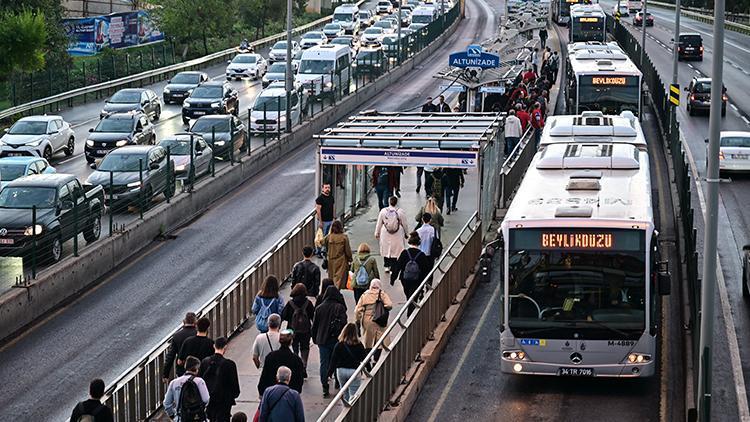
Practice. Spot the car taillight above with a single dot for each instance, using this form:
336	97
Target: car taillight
721	155
692	97
701	49
724	97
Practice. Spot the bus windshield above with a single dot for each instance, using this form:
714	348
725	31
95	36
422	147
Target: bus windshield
587	29
575	280
611	94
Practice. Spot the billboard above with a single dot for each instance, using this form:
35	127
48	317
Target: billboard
119	30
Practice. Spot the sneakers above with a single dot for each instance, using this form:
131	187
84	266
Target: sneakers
326	394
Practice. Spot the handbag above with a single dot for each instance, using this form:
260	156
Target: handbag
379	313
319	237
350	281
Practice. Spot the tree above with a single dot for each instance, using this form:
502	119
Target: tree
23	40
56	48
188	20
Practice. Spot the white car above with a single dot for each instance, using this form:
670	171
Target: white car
313	38
278	51
372	36
734	151
624	11
40	136
333	30
247	65
384	7
277	72
269	110
387	25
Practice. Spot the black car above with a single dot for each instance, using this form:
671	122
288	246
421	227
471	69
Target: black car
699	96
211	98
133	99
690	46
118	130
127	165
222	132
181	85
59	200
369	61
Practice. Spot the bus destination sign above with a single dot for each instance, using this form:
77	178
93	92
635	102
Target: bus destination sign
576	240
609	80
594	20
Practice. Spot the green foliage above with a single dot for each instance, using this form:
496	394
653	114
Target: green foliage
23	37
56	53
189	21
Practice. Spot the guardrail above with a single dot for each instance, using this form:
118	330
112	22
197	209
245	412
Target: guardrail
138	392
431	300
704	17
155	73
510	173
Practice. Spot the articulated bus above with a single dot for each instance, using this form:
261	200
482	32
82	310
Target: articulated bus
581	280
601	77
560	10
587	23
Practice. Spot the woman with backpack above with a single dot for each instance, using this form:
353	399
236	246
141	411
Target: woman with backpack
411	267
431	207
347	355
390	230
268	301
299	313
339	254
365	269
365	313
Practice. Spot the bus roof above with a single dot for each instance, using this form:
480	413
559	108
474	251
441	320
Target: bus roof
593	58
593	126
594	10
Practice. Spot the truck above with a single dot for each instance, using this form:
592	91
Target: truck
39	213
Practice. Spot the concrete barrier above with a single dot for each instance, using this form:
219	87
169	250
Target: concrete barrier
63	282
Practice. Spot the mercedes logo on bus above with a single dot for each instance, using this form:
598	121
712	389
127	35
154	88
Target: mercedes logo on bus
3	232
576	358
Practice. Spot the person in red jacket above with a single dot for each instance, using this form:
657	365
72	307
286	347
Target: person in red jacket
523	116
537	122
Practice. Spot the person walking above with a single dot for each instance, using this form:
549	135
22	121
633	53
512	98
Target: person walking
428	180
267	342
307	272
411	268
543	36
339	254
323	287
268	301
420	171
222	381
428	106
330	318
437	187
281	403
347	355
394	179
535	60
513	132
175	343
187	395
282	357
365	269
93	406
442	106
299	313
381	183
239	417
523	116
437	219
199	345
537	122
554	66
324	211
390	231
427	236
365	313
454	178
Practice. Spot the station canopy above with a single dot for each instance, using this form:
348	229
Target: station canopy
409	139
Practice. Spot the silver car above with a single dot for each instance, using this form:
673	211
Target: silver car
178	146
278	51
313	38
40	136
734	151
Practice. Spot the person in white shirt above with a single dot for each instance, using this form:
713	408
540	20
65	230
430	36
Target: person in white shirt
266	343
513	131
426	234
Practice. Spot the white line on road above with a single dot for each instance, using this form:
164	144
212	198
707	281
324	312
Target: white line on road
744	119
726	311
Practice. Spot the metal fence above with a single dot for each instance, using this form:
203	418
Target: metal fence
409	333
514	167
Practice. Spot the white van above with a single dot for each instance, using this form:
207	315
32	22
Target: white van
424	14
347	15
269	110
323	68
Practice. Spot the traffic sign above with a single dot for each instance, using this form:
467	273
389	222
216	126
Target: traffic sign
674	94
452	88
474	57
493	89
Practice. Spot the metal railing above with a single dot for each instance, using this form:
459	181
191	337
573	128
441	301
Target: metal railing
431	300
515	166
138	392
703	16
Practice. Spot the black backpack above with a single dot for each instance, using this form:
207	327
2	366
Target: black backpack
300	321
192	408
436	249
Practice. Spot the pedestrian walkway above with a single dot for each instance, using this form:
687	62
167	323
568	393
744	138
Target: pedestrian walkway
359	229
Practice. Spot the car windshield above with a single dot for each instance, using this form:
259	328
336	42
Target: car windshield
114	126
341	41
126	97
367	55
10	172
186	78
374	31
28	128
703	87
311	36
277	68
177	146
421	18
316	67
691	39
270	103
383	24
281	45
207	92
27	197
206	125
729	141
244	59
343	17
332	27
123	162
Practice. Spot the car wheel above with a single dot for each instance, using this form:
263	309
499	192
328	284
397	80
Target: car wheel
745	290
157	113
47	154
70	147
55	249
690	110
94	229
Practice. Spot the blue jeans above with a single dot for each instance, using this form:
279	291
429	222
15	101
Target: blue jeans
510	143
537	135
383	194
326	350
343	375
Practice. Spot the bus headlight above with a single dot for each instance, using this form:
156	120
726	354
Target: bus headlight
639	358
514	355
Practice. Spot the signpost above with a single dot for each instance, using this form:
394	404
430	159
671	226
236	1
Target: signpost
474	57
398	157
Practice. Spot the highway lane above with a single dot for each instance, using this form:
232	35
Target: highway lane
107	329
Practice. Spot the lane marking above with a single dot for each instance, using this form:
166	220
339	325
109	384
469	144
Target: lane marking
747	122
729	328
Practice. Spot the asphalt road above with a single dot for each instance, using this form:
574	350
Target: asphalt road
107	329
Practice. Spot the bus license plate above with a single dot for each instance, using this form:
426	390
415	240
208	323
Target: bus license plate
576	372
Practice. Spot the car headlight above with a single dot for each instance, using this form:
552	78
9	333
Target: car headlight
186	103
514	355
215	105
181	167
32	230
166	90
638	358
253	119
134	184
89	143
219	143
329	84
122	143
35	143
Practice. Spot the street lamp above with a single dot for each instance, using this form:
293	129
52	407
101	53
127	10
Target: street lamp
288	77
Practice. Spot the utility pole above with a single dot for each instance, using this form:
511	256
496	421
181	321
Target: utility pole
643	34
289	78
708	286
676	42
398	35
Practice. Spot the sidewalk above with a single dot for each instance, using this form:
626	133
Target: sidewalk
360	229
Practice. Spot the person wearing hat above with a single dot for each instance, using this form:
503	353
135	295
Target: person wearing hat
284	356
187	330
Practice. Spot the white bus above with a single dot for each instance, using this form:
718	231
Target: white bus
581	283
587	23
347	15
601	77
560	10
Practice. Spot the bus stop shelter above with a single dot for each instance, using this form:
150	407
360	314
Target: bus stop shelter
347	153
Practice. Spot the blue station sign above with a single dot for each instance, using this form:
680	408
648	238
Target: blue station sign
474	57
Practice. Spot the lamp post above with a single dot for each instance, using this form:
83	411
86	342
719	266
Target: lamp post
288	77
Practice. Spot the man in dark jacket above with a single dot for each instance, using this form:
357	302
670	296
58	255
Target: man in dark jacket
423	262
93	406
330	318
442	106
428	106
282	357
454	181
187	330
280	402
307	272
199	345
220	375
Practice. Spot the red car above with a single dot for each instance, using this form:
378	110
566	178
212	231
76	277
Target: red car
638	19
